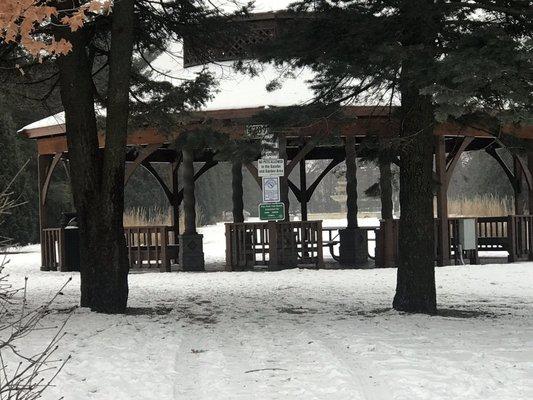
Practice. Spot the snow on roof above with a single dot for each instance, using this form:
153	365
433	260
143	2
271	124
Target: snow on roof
57	119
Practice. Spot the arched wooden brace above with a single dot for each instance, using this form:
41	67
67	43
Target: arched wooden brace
444	171
525	170
159	179
305	193
48	178
515	174
168	192
491	150
174	194
141	157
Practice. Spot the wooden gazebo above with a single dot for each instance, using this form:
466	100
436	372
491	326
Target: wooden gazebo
286	243
249	244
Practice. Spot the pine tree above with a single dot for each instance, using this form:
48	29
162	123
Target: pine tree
470	62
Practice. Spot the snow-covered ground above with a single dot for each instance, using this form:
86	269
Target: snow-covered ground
297	334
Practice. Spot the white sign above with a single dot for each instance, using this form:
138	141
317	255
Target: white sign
270	167
271	191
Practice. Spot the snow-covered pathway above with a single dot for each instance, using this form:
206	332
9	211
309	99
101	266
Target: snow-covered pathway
298	334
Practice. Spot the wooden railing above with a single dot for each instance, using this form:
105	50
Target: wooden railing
275	244
331	239
151	247
53	249
520	237
513	234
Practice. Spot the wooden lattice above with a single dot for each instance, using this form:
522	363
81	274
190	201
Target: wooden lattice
237	43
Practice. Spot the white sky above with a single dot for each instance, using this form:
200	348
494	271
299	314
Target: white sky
235	90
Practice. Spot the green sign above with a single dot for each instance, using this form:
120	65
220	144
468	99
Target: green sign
272	211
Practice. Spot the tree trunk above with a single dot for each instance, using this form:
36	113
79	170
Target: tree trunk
85	158
112	281
97	176
415	290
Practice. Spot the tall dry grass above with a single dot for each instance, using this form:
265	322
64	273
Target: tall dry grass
154	216
480	206
141	216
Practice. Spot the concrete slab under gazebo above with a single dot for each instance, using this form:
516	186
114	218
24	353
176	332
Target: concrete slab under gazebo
285	244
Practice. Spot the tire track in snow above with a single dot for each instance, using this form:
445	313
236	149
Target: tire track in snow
360	370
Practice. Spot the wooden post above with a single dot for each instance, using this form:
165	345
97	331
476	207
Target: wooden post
191	253
229	248
351	182
303	190
511	238
443	238
274	259
519	188
284	185
530	189
237	191
353	248
174	171
189	201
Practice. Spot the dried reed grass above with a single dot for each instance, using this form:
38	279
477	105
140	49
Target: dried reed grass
480	206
